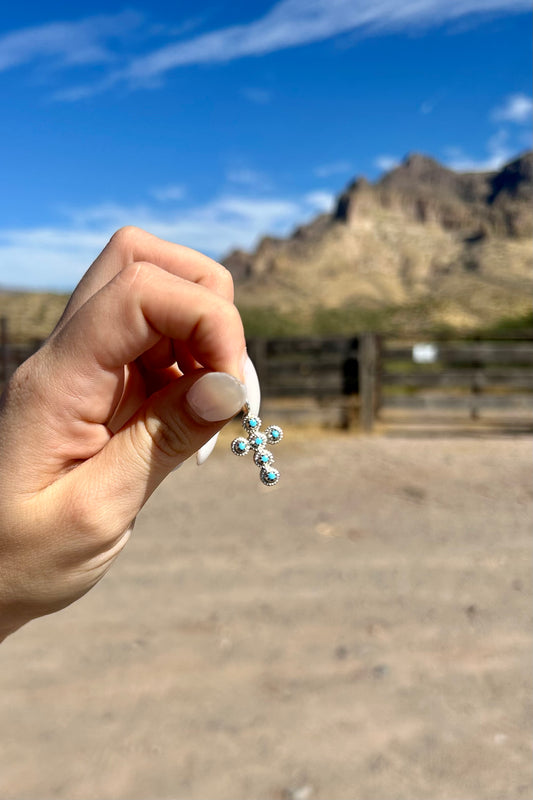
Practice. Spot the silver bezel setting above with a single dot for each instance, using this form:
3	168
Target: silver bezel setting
257	445
258	456
265	472
272	439
235	446
251	428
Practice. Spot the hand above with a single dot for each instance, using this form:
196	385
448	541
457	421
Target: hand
143	368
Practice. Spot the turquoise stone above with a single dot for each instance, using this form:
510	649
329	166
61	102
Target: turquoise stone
258	440
271	476
241	446
264	459
253	423
275	434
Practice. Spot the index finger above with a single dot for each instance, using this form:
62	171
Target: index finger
137	308
130	245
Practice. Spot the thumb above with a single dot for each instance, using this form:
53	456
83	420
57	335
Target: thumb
169	428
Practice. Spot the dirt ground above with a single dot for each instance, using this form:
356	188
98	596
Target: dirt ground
360	632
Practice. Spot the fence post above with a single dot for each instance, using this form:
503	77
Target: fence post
368	375
4	356
476	389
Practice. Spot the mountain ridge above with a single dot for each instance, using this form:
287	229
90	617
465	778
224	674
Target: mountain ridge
453	245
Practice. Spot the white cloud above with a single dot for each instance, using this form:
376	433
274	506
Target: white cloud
168	193
504	143
244	176
386	163
320	200
56	257
288	23
498	153
74	94
334	168
291	23
66	44
516	108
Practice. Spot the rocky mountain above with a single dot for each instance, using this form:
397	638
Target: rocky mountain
422	247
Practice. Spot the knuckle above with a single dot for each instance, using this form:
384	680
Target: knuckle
224	277
134	273
126	237
220	280
170	438
84	517
91	525
20	379
230	317
27	394
23	382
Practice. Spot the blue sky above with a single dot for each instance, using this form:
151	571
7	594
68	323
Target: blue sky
212	124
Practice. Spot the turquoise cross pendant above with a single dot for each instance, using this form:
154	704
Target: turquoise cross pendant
257	442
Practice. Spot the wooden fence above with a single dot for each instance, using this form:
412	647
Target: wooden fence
336	371
370	380
458	382
377	380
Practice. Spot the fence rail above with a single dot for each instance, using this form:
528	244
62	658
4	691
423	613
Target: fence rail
466	352
367	379
372	377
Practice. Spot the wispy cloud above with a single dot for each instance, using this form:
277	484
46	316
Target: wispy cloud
386	163
333	168
320	200
169	193
68	44
516	108
56	257
288	24
292	23
47	258
261	97
498	153
251	178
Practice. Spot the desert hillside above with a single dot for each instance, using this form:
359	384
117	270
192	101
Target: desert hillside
30	316
423	247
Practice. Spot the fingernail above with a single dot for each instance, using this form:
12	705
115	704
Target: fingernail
245	358
216	396
253	390
205	451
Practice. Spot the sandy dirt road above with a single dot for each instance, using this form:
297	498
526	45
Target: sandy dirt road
360	632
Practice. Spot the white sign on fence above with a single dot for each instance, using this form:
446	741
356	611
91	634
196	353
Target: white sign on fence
425	353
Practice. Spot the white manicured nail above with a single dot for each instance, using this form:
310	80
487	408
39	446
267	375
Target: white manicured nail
253	397
216	396
253	390
204	452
